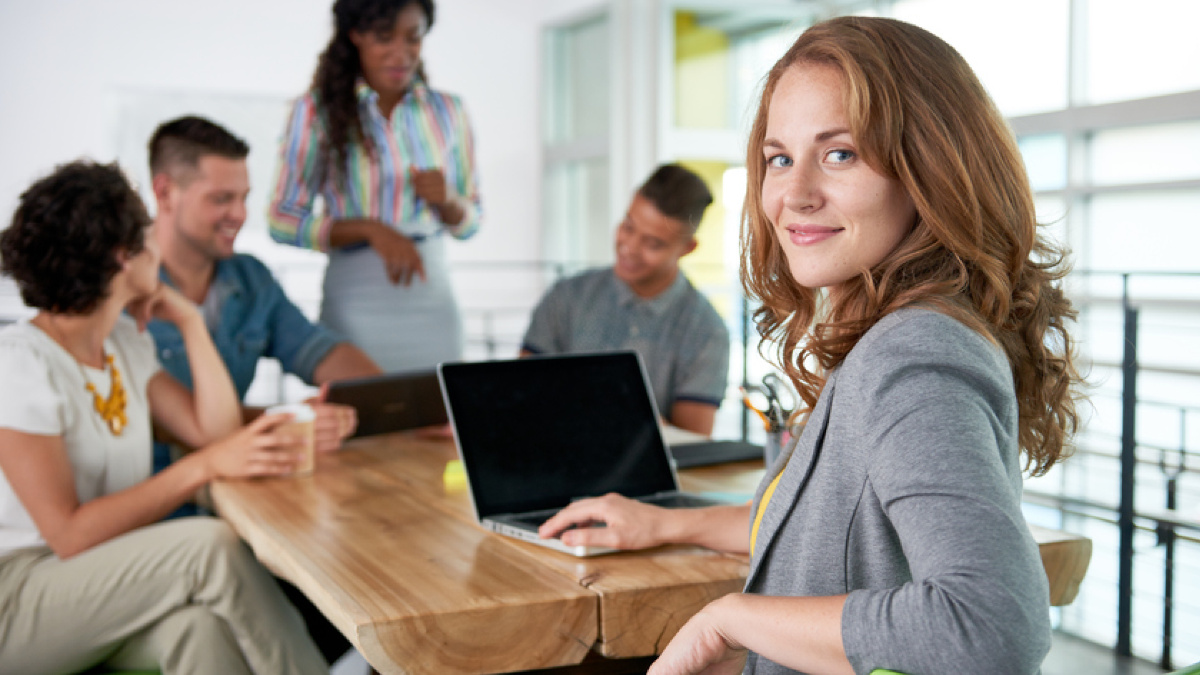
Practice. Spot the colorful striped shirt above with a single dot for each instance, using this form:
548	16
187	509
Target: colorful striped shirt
428	129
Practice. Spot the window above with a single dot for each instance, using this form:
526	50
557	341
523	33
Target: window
577	216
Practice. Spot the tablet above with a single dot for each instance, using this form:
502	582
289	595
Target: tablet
392	402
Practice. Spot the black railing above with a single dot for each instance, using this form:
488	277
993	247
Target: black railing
1128	473
1169	525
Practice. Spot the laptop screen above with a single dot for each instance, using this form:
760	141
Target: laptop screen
536	433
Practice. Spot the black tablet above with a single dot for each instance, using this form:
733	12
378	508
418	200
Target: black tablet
392	402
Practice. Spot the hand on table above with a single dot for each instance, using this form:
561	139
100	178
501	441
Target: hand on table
257	449
629	524
334	423
701	647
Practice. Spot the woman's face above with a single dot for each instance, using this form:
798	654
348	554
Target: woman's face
142	267
389	55
833	214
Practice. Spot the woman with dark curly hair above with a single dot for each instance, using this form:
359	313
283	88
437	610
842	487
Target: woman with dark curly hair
87	573
393	162
890	236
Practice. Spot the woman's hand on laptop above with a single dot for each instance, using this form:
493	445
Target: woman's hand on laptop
618	522
612	521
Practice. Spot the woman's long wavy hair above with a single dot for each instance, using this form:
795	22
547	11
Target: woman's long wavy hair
918	114
339	68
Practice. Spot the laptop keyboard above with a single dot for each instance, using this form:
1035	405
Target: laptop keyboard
535	519
675	501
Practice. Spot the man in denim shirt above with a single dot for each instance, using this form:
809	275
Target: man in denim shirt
200	183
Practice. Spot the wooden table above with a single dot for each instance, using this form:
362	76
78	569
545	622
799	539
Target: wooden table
394	558
391	553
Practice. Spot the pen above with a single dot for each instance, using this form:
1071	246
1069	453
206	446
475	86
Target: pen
761	415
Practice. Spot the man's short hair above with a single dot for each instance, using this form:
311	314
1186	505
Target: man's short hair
183	141
677	193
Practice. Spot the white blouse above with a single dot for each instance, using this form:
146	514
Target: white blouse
43	391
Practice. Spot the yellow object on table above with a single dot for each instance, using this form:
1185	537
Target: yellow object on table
454	477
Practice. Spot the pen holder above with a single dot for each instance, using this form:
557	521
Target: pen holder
777	438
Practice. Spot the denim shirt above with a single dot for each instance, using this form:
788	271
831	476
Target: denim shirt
249	317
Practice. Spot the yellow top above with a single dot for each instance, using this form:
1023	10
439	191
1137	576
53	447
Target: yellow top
762	507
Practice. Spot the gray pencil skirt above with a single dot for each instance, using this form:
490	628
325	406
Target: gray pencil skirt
400	327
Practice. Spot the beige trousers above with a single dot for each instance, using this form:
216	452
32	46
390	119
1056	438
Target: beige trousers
183	596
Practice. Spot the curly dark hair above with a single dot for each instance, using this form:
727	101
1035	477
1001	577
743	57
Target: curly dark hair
678	193
338	69
61	247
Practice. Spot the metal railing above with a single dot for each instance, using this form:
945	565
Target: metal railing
1167	523
1132	446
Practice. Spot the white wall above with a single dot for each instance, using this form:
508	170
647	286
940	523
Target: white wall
72	67
94	77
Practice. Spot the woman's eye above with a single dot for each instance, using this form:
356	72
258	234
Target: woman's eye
779	161
840	156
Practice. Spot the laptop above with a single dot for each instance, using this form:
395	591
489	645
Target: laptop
534	434
391	402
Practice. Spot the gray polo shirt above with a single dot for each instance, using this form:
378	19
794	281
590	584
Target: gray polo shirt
679	335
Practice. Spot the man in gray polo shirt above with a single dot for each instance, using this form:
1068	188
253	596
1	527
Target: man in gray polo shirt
643	302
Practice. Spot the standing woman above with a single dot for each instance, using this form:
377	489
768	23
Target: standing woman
87	573
393	162
890	236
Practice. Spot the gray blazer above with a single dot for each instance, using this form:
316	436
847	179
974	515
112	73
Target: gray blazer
904	491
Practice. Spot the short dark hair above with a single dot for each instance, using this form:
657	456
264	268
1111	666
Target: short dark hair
677	193
62	245
184	140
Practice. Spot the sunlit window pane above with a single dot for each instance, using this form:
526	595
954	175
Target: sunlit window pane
1143	49
753	56
1146	154
721	57
1144	231
1018	48
1052	216
702	69
578	226
578	73
1045	160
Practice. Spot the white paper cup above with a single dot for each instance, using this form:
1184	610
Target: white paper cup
302	425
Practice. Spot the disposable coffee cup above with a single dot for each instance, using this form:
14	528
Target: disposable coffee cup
302	426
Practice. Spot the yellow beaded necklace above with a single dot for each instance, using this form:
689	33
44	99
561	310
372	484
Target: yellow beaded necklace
112	409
